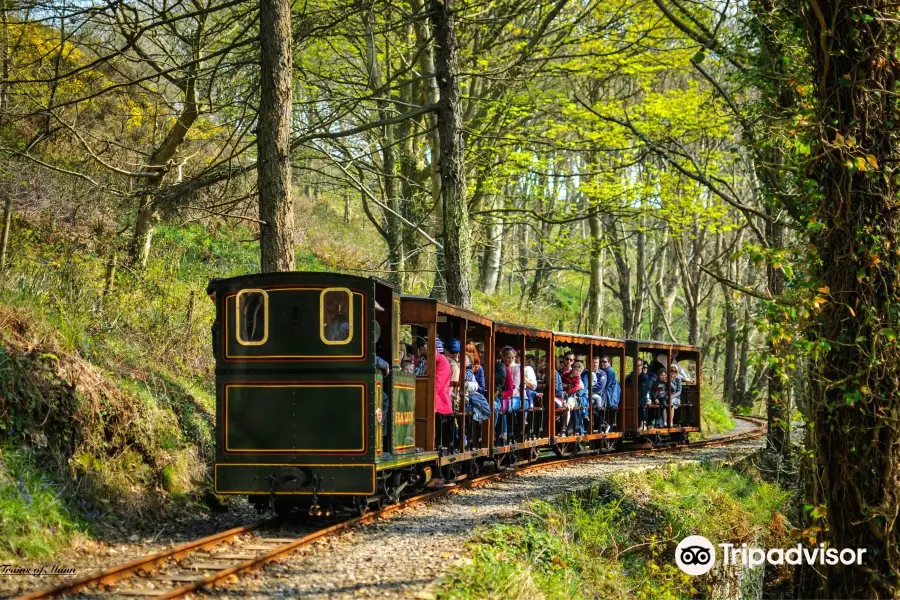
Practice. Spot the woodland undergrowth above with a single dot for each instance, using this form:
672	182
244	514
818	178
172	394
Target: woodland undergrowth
617	540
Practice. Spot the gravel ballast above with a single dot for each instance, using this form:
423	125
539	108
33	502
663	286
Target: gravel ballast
404	556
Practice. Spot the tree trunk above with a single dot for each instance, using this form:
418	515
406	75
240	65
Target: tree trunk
619	249
595	291
778	440
141	240
4	235
457	242
491	257
148	211
276	241
854	396
640	291
729	376
393	226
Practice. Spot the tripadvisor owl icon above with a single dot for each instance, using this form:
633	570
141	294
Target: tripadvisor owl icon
695	555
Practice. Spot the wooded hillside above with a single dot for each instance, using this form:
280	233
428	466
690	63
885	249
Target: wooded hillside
712	173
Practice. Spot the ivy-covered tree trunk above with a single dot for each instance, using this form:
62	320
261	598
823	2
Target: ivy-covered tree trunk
855	396
457	242
779	438
276	209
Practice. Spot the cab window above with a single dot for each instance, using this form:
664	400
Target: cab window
252	317
336	316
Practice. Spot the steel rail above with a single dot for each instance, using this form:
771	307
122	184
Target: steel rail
119	572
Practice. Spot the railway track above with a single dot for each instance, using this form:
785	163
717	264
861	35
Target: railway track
219	558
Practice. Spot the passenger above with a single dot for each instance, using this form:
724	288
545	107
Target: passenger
477	369
503	401
476	404
421	357
582	416
559	399
662	397
502	379
510	359
407	366
452	350
337	319
675	377
442	374
652	380
612	393
660	361
531	381
683	374
598	400
572	384
643	393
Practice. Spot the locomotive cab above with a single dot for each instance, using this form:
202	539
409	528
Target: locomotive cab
301	384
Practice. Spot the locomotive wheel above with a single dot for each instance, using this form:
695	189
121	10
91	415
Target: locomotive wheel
360	505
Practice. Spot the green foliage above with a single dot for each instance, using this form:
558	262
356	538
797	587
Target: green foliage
619	541
715	417
34	521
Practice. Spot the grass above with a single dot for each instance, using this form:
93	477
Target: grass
34	521
118	380
619	542
715	417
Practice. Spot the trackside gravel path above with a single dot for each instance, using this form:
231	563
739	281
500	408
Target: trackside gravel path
403	557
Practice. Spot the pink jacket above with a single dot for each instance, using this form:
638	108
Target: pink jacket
442	375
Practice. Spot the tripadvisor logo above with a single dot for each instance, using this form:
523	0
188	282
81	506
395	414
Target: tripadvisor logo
696	555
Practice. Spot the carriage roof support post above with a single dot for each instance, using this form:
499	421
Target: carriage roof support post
622	397
551	386
489	366
696	410
431	416
462	384
523	343
590	389
630	403
669	364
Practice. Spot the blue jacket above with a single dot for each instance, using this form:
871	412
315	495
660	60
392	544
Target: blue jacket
600	378
479	378
559	386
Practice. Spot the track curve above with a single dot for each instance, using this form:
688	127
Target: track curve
222	567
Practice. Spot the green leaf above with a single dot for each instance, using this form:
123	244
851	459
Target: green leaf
889	333
699	57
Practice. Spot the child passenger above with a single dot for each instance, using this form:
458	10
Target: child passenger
476	405
662	396
574	390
